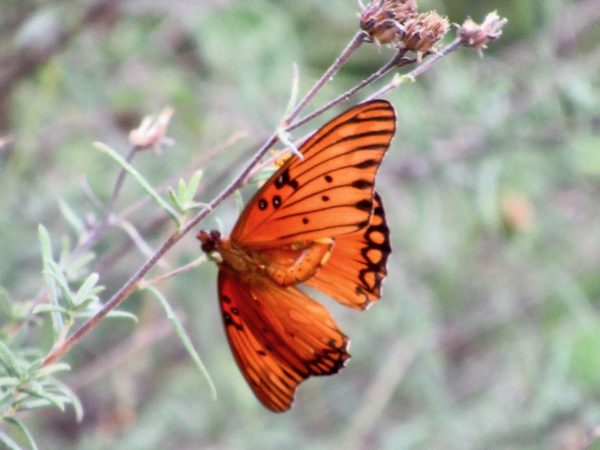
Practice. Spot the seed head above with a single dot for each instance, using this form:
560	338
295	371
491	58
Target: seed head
423	32
477	35
384	19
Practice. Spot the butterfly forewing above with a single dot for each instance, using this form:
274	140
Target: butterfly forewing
279	337
329	192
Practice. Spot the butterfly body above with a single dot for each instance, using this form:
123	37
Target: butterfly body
317	222
286	266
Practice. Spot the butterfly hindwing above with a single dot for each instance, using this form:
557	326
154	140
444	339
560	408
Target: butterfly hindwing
355	270
329	192
279	337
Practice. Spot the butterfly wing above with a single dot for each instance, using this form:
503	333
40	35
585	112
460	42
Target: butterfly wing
357	265
329	192
279	337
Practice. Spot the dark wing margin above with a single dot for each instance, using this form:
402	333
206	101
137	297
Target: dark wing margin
356	268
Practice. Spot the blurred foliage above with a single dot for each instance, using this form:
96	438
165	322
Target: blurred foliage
488	333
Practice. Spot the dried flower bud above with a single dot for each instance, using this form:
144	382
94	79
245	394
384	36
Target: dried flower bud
384	19
152	132
423	32
477	36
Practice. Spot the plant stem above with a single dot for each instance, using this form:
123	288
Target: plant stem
419	70
396	61
352	46
132	284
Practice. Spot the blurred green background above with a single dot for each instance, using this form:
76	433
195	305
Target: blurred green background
488	333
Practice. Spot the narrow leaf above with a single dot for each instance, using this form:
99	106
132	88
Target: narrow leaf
72	399
10	444
46	308
52	369
139	178
192	186
112	314
86	290
46	250
184	338
9	381
175	199
10	361
55	400
71	217
17	423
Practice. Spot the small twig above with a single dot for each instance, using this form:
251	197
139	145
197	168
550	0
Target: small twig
198	164
352	46
138	240
419	70
104	222
397	61
92	237
192	265
119	184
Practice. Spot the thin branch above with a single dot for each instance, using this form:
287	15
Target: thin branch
352	46
133	283
192	265
419	70
397	61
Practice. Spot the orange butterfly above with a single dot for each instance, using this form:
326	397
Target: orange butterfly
316	221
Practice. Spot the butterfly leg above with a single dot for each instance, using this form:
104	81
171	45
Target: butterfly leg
314	256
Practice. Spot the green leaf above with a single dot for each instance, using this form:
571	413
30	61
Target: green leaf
52	399
183	197
55	271
10	361
71	217
51	369
74	268
112	314
9	381
193	185
184	338
45	245
88	289
17	423
47	308
140	180
181	189
175	199
46	250
71	398
10	444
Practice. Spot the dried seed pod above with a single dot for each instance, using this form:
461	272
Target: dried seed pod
384	19
477	35
423	32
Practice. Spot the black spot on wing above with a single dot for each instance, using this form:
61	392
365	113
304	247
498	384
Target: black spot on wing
364	205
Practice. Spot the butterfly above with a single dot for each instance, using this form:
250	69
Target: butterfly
316	221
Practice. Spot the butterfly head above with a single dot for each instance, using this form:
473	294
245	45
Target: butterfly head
210	243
